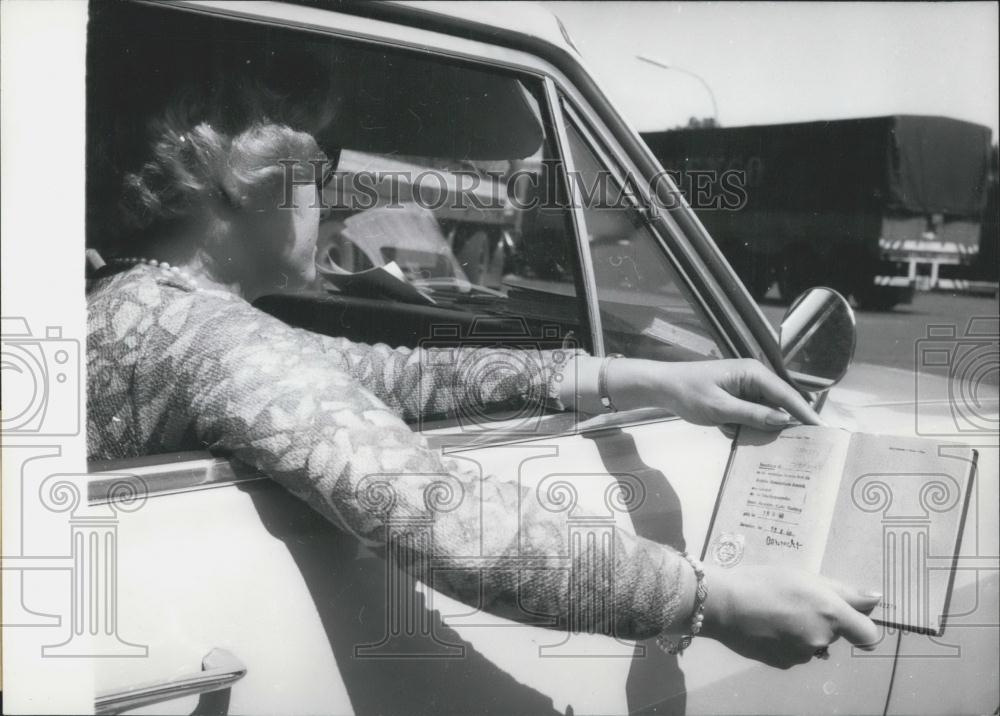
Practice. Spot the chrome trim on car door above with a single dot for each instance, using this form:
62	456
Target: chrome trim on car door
579	220
141	477
558	425
614	164
219	670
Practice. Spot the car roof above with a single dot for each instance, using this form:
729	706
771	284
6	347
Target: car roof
527	18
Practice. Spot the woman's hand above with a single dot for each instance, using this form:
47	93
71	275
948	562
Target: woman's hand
741	392
782	617
716	392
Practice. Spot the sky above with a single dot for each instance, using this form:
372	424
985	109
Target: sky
786	62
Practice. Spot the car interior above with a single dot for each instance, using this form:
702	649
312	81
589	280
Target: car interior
445	212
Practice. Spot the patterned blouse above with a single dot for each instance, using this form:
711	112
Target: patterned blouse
173	369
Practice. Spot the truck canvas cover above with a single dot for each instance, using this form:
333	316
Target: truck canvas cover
904	164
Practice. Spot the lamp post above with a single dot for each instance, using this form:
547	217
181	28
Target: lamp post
666	66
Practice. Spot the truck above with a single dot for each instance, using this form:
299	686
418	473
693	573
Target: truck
872	207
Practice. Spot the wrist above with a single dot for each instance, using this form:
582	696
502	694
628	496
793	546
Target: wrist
578	390
603	393
687	591
718	605
634	383
692	623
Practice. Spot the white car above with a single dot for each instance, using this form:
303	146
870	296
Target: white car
233	596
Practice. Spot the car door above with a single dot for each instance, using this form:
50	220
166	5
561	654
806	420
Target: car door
716	680
217	558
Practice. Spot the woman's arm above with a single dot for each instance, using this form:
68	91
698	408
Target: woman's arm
420	382
711	392
248	385
245	383
432	381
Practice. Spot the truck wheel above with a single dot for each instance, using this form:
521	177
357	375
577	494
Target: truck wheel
871	297
876	298
758	277
758	286
753	269
800	270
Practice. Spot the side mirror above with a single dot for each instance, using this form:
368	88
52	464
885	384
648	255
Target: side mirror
818	336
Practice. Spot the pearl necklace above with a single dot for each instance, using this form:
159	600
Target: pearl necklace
176	272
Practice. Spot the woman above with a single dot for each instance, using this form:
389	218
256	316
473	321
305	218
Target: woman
178	359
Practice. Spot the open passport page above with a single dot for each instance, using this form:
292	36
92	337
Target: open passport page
873	511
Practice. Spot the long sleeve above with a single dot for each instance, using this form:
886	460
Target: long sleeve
218	374
431	381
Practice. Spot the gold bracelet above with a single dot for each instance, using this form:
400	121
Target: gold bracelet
697	616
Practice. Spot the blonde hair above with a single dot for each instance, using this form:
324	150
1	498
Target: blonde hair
194	163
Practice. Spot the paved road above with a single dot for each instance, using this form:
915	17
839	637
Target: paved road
893	338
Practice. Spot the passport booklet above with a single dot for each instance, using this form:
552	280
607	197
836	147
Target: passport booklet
877	512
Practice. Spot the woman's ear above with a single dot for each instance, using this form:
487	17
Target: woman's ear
223	243
231	195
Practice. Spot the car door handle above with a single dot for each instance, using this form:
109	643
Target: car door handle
219	670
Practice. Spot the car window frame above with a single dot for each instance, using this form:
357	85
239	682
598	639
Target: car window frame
571	117
731	302
363	25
